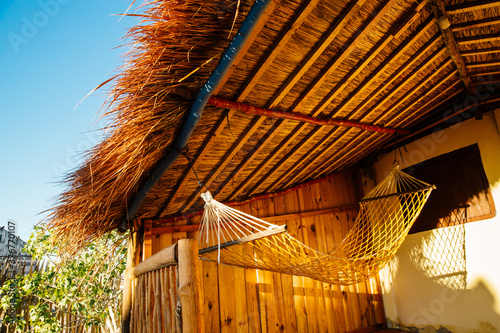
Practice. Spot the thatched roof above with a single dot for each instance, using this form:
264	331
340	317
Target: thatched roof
384	63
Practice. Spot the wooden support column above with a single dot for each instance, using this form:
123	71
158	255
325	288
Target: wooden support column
128	282
190	292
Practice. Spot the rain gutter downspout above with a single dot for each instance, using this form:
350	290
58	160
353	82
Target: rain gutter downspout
196	110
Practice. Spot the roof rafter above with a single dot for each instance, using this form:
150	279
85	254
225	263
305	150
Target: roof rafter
475	24
478	39
462	8
483	64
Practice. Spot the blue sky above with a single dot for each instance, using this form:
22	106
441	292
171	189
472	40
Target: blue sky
52	54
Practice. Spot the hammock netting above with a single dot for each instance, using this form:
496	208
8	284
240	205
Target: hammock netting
385	217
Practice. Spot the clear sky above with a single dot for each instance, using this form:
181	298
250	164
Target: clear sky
52	54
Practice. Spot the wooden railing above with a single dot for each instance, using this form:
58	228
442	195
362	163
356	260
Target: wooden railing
164	292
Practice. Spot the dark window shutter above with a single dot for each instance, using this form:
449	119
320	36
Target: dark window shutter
463	193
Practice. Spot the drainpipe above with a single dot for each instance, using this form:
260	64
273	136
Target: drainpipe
196	110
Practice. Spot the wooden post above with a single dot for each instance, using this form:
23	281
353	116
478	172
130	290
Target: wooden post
189	287
127	283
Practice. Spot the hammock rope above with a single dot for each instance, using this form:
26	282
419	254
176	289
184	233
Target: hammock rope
385	217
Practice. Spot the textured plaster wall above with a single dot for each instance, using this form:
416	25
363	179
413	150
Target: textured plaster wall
467	299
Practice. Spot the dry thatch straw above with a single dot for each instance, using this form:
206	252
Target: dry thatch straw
171	44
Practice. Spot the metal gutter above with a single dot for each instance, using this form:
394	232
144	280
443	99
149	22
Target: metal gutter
194	114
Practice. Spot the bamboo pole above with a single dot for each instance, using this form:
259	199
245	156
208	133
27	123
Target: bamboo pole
127	284
190	287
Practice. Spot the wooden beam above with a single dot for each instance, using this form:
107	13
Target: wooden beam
480	52
481	64
299	117
449	39
478	39
475	24
468	7
177	228
164	258
487	73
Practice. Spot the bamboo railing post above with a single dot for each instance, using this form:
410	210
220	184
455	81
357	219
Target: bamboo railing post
189	287
127	284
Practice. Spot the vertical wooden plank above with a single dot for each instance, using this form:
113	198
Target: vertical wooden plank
148	242
147	282
321	230
227	299
333	230
377	295
165	300
291	206
268	307
241	304
310	290
252	300
252	291
156	245
290	319
172	276
211	296
363	303
158	317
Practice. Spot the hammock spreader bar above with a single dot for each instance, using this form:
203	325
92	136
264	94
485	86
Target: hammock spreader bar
250	238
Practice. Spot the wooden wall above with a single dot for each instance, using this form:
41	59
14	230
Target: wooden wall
248	300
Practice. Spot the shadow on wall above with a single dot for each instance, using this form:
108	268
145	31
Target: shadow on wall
430	290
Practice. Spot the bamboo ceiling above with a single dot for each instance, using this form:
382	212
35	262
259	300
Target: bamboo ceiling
385	63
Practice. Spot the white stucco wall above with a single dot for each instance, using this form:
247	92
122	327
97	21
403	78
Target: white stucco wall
458	303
